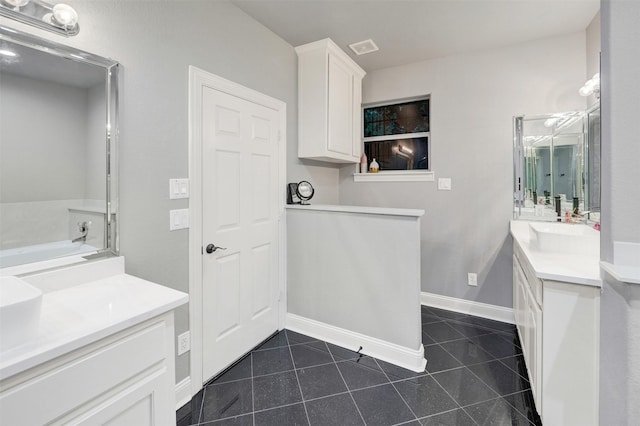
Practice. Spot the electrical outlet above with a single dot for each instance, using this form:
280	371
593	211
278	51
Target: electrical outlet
472	279
184	342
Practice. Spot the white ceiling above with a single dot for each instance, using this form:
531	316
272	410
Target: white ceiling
412	30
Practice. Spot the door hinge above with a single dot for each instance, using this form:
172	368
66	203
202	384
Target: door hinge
201	250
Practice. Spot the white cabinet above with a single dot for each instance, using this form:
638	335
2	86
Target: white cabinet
558	324
329	103
529	321
123	379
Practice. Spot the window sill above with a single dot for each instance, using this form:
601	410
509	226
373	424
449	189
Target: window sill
395	176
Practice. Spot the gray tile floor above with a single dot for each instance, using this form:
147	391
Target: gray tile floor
475	376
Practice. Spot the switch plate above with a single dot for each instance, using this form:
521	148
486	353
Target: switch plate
178	188
444	184
472	279
184	342
178	219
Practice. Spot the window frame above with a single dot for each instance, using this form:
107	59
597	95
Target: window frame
412	175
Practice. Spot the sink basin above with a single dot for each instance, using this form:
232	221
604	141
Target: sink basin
565	238
20	307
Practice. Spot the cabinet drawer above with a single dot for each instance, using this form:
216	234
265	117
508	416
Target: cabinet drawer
84	378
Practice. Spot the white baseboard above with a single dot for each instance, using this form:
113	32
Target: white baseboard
183	392
411	359
498	313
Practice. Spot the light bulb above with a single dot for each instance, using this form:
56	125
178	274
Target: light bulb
64	15
5	52
585	90
16	3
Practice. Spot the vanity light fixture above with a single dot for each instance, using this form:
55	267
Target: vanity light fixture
59	18
15	3
591	87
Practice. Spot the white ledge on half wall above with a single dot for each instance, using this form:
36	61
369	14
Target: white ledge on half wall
622	273
385	211
626	262
395	176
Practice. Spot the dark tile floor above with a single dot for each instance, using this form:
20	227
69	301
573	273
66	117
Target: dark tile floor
475	376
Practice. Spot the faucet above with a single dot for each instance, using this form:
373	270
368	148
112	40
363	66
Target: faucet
83	227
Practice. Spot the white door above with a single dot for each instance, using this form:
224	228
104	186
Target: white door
240	215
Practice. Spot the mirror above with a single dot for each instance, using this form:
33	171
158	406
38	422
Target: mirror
557	165
57	150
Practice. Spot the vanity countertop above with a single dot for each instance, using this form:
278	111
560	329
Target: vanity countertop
83	313
357	209
573	268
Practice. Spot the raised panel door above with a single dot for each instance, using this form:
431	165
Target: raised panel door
239	211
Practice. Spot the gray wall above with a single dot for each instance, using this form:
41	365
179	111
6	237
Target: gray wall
155	42
473	99
620	302
46	161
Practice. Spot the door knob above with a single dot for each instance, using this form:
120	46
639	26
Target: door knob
212	247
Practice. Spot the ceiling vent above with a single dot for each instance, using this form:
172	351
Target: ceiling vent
363	47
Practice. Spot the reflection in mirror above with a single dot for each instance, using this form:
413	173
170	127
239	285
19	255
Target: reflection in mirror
593	158
557	166
57	121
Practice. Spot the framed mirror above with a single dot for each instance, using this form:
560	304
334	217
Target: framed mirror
556	165
58	129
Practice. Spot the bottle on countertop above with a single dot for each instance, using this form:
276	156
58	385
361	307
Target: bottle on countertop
363	163
374	167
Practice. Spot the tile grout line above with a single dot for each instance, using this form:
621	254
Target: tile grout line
481	402
495	399
482	381
253	404
398	392
452	398
446	391
516	408
347	386
513	356
204	391
493	358
503	335
333	394
298	379
511	369
486	362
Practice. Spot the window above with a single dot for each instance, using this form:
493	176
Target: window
397	135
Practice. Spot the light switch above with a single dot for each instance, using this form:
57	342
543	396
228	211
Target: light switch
444	184
178	188
178	219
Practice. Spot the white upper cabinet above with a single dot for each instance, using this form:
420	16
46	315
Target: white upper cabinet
329	103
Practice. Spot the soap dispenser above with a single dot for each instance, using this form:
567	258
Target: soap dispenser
374	166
